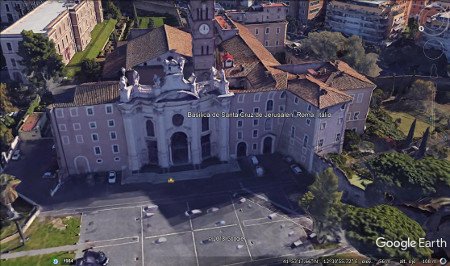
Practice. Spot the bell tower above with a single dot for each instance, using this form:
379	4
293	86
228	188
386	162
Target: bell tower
201	21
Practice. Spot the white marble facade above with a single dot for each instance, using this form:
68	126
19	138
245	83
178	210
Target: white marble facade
158	127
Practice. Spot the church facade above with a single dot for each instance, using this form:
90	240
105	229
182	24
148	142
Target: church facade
237	102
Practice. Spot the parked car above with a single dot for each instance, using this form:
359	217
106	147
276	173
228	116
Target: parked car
296	169
49	175
16	155
93	258
254	160
288	159
112	177
192	212
259	171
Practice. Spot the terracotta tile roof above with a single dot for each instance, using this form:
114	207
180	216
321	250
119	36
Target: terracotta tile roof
253	61
156	42
30	122
344	77
316	92
92	94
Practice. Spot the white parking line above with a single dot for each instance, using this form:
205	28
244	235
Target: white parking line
168	234
242	231
114	245
269	222
193	236
212	228
113	239
142	239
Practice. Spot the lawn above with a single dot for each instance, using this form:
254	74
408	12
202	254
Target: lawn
46	232
157	22
22	207
100	36
406	121
63	258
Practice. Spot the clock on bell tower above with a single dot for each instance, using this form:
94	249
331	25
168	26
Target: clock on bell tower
201	21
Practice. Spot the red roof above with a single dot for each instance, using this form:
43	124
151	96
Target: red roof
222	22
30	122
273	5
227	56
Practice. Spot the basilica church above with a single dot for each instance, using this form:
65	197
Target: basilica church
214	93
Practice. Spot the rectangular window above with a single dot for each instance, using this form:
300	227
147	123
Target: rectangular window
257	97
115	148
239	123
277	43
256	110
62	127
240	111
109	109
320	143
97	150
353	98
255	146
255	133
359	98
338	137
309	108
76	126
94	136
305	140
340	120
255	122
256	31
116	159
356	116
281	107
65	140
59	113
239	135
296	100
241	98
308	121
278	30
292	132
8	45
73	112
266	43
111	123
323	126
92	125
79	138
267	30
113	135
90	110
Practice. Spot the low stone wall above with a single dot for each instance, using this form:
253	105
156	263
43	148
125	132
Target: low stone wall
351	194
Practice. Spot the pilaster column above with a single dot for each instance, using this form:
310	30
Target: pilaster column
195	140
133	159
163	148
224	132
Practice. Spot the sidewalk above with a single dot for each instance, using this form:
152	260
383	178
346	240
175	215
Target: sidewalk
35	252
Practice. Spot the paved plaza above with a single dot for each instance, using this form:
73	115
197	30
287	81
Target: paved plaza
232	229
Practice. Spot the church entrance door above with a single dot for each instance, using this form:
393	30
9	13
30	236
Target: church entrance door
180	148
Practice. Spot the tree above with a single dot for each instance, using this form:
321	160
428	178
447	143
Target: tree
5	102
112	11
407	179
327	46
421	90
410	136
8	195
413	28
90	69
151	23
365	225
39	57
423	144
322	202
351	140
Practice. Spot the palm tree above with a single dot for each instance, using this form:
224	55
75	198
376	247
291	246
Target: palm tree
8	195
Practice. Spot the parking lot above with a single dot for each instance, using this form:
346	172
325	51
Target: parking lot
232	229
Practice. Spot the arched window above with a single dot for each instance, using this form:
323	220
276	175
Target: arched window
283	95
269	105
150	128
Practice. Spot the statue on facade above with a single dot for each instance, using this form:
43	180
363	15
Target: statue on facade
213	73
125	91
156	80
224	84
136	78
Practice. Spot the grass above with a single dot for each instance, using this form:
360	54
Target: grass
22	207
64	258
157	22
44	234
357	181
406	121
100	36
